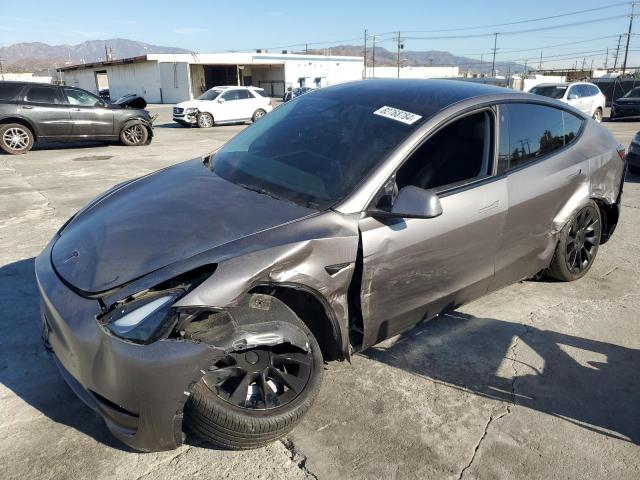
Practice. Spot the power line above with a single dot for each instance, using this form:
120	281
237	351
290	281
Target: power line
519	22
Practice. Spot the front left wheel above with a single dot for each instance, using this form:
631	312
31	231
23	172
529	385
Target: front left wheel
134	135
253	397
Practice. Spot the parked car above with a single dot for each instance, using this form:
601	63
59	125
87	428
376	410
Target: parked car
633	155
104	94
30	112
627	106
295	92
584	96
221	105
213	290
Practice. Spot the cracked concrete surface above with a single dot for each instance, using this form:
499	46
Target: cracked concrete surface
538	380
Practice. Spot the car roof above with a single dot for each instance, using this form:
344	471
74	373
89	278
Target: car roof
22	82
423	97
563	84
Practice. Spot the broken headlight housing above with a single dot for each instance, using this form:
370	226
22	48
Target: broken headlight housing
144	319
149	315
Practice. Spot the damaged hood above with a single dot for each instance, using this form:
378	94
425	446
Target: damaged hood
160	219
130	101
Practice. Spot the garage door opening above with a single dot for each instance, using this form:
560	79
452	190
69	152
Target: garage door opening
102	84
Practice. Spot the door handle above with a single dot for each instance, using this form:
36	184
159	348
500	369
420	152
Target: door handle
77	109
28	107
489	206
575	174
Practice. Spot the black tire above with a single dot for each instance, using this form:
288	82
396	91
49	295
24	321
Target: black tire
597	115
15	139
577	245
205	120
134	134
229	426
258	114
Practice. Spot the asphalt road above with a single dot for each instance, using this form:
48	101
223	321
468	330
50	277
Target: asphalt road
538	380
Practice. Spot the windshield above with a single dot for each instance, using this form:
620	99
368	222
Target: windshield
552	91
210	94
313	150
635	93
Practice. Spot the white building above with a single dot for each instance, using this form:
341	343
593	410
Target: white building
172	78
413	72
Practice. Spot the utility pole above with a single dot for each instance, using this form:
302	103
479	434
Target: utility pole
400	47
626	49
525	66
365	54
615	60
606	60
584	60
373	60
540	64
493	63
306	49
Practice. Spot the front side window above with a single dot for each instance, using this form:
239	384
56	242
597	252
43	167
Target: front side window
231	95
529	131
459	152
42	95
575	92
634	93
81	98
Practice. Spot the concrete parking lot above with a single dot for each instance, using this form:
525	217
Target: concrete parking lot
538	380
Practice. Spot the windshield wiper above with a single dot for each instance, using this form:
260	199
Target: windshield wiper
262	191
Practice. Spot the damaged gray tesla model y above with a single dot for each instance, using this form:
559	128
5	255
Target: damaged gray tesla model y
205	297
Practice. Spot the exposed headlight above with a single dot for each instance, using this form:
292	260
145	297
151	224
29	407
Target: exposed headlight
190	110
142	320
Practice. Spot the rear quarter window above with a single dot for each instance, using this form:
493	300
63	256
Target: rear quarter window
9	91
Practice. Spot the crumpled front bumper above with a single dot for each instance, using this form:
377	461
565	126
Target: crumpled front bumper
139	390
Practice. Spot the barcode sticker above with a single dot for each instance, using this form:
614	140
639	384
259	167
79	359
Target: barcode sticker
397	114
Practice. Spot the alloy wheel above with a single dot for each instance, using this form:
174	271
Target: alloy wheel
134	134
582	241
16	138
597	116
261	379
205	121
259	114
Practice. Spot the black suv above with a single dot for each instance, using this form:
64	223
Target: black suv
35	111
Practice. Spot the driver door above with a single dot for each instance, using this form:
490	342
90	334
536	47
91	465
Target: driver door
228	105
416	268
90	117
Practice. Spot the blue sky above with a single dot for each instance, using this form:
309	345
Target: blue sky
221	26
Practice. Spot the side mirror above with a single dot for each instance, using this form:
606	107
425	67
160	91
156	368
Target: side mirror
221	100
572	96
413	202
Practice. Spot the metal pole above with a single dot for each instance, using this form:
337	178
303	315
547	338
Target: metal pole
626	50
373	60
493	63
525	66
540	64
398	59
606	59
365	54
615	61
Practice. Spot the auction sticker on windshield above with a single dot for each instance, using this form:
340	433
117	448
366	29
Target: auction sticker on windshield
397	114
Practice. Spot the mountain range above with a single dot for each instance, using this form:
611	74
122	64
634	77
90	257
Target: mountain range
29	57
34	56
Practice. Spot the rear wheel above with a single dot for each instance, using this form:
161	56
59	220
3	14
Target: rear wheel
134	135
597	115
253	397
578	245
205	120
258	114
15	138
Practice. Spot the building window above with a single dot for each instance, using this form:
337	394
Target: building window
301	81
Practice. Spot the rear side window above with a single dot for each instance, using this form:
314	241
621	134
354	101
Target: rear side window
529	131
42	95
8	91
244	94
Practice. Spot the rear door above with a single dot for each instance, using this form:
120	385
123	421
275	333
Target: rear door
45	107
89	114
416	268
538	158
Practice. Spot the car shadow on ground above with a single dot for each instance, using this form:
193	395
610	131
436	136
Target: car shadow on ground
590	383
633	176
27	369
